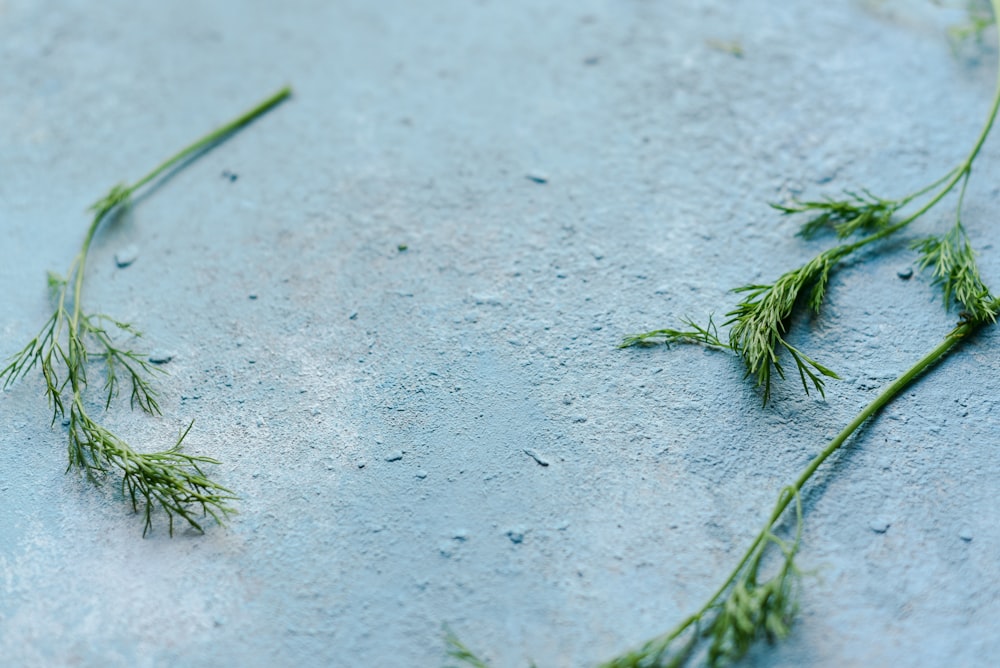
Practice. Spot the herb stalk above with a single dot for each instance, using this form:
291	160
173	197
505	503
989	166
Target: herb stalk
71	338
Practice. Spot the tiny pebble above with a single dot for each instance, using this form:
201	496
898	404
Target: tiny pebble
421	474
487	299
879	525
537	177
394	456
160	357
516	536
664	290
353	316
252	296
905	274
966	534
126	256
460	535
540	459
362	463
580	418
230	175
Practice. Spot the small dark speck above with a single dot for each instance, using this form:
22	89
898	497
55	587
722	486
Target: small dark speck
160	357
539	459
232	176
516	535
353	316
252	297
879	525
905	274
537	178
592	60
402	248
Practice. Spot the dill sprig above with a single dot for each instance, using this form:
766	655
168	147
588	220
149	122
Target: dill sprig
71	339
953	266
458	651
760	321
707	336
978	19
748	607
855	213
745	609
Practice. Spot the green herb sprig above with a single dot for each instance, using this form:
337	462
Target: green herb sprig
760	321
741	611
747	606
72	339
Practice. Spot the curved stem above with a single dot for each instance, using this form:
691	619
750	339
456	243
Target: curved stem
215	136
887	395
963	170
192	150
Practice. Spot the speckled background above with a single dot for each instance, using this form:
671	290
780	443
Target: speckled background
495	331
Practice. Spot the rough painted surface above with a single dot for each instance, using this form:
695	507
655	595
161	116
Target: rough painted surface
494	332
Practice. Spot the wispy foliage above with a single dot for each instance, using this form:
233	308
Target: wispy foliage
855	213
952	262
760	322
978	18
706	336
458	651
747	608
69	344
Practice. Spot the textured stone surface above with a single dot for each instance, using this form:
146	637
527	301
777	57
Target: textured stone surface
560	174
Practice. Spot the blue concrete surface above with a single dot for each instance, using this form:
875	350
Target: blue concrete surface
494	332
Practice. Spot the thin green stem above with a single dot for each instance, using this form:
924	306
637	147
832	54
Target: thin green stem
202	144
122	194
961	197
950	340
170	479
964	168
903	201
215	136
